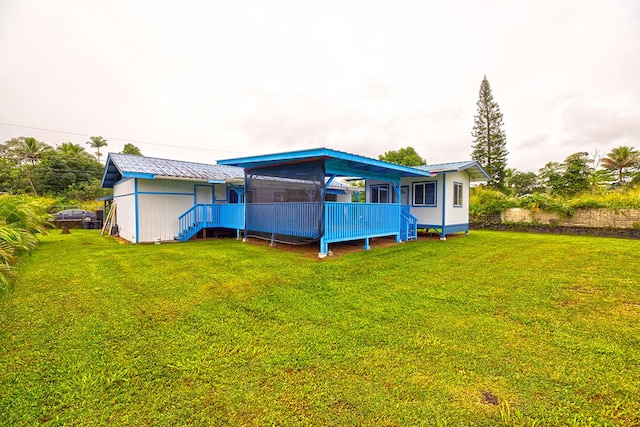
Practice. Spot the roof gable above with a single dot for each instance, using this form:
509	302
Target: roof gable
471	167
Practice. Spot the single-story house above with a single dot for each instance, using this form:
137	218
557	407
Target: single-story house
291	197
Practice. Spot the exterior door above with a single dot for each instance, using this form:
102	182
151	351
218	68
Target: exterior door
404	195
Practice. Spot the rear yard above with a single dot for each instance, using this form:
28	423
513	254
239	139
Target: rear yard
490	329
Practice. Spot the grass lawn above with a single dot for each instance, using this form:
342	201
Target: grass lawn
491	329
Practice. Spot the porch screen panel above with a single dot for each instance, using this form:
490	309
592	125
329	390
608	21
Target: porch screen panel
287	202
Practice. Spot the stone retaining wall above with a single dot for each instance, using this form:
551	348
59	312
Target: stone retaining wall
590	218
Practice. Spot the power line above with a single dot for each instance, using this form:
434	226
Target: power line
120	139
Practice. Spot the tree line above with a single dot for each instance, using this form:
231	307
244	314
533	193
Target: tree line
579	173
67	171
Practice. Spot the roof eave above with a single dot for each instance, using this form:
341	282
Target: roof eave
365	164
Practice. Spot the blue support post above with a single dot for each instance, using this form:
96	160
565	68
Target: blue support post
324	248
366	246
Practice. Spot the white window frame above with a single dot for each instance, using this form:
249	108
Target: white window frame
423	201
458	189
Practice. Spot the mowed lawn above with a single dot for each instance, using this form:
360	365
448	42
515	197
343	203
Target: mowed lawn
490	329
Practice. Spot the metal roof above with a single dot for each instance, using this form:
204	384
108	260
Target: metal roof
471	167
336	163
120	166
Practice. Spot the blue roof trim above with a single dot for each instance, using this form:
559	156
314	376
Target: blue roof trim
356	165
138	175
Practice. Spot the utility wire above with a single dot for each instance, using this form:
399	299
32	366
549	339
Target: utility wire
120	139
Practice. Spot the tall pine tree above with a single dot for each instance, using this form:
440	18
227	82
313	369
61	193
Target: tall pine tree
490	141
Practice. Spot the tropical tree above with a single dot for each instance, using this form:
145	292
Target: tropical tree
522	183
570	177
490	141
27	152
71	148
405	156
131	149
551	177
61	168
97	142
622	160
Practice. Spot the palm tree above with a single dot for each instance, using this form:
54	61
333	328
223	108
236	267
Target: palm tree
70	148
27	151
97	142
621	159
21	218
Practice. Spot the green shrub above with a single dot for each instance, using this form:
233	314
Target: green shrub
489	201
22	218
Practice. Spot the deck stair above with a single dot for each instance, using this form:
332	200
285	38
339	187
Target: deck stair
190	223
408	225
202	216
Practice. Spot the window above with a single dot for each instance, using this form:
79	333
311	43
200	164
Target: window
457	194
330	197
424	193
379	193
232	196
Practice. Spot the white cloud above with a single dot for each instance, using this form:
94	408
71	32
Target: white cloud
230	78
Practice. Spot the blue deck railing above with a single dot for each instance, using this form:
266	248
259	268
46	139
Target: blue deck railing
342	221
291	219
351	221
209	216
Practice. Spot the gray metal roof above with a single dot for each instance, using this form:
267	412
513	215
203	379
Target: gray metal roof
471	167
131	166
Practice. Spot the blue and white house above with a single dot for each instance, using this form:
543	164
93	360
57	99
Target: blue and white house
291	197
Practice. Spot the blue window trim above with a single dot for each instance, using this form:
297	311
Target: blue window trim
435	194
444	204
195	192
456	183
135	204
164	193
124	195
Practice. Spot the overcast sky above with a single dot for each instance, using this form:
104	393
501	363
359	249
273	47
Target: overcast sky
208	80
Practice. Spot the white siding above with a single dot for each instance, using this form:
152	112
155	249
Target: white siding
204	194
165	186
344	198
221	193
160	203
457	215
427	215
124	200
433	215
158	215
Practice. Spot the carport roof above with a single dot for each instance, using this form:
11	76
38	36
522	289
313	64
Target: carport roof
130	166
336	163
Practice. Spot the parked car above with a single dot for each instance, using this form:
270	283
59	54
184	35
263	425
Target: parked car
76	215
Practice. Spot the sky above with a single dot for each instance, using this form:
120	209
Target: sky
209	80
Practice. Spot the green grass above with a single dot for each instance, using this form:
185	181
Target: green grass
491	329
